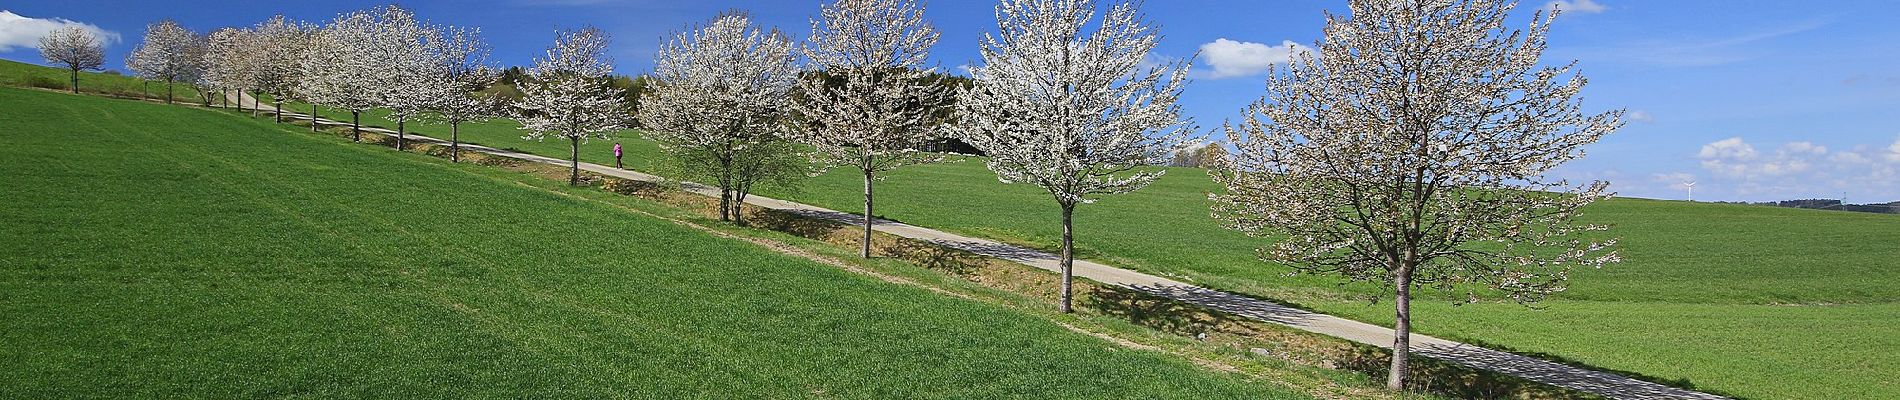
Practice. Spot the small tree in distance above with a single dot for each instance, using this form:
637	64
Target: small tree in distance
230	62
168	54
1411	152
1072	111
460	71
75	49
339	71
872	105
400	49
280	45
568	96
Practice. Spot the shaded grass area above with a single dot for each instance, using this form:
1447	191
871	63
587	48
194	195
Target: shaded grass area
152	251
1748	301
20	74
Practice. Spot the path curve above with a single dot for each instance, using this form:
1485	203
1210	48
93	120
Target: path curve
1602	383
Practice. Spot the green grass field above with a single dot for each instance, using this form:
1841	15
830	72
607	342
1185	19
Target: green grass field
155	251
13	73
1750	301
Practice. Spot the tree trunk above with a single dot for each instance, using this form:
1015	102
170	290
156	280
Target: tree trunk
75	80
1068	257
280	110
1401	330
401	134
455	141
725	204
574	162
313	117
255	105
738	208
865	248
168	91
356	126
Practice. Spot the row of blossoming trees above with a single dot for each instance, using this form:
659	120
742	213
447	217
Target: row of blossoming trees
1409	148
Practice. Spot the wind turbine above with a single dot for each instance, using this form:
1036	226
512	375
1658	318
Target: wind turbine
1691	186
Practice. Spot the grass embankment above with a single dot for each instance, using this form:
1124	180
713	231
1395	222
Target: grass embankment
1750	301
13	73
153	251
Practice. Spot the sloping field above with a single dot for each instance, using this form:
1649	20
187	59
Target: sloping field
1750	301
155	251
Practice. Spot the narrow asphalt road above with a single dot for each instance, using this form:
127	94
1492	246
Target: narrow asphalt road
1602	383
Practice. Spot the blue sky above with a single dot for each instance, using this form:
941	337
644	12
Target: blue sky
1754	100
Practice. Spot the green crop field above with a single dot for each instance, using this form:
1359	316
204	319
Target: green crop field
13	73
172	252
1751	301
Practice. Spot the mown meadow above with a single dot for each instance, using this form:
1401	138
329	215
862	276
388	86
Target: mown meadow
157	251
1749	301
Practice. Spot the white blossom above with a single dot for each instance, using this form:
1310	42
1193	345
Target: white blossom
461	70
718	101
73	48
400	48
230	61
280	45
341	70
1411	149
570	97
170	53
1071	106
871	103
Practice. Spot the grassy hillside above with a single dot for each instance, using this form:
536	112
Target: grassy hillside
154	251
1752	301
20	74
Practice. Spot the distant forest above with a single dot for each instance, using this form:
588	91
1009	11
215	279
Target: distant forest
1832	204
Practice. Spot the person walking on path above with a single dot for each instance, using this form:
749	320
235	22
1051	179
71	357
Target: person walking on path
617	156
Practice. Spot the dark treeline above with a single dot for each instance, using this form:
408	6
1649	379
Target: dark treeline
1830	204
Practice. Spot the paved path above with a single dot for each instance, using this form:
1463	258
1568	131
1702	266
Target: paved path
1602	383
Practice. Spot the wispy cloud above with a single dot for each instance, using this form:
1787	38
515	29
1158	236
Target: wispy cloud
21	31
1573	7
1694	52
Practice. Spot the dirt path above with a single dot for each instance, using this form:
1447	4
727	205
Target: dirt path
1587	380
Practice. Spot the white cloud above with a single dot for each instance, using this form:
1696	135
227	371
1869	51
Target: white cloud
1730	149
1803	148
1675	180
1230	58
1574	7
1893	152
24	32
1640	116
1800	169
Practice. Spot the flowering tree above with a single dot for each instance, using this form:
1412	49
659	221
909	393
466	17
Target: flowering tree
872	105
279	45
169	53
1411	151
230	61
569	97
339	71
399	47
717	102
74	48
460	71
1074	112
